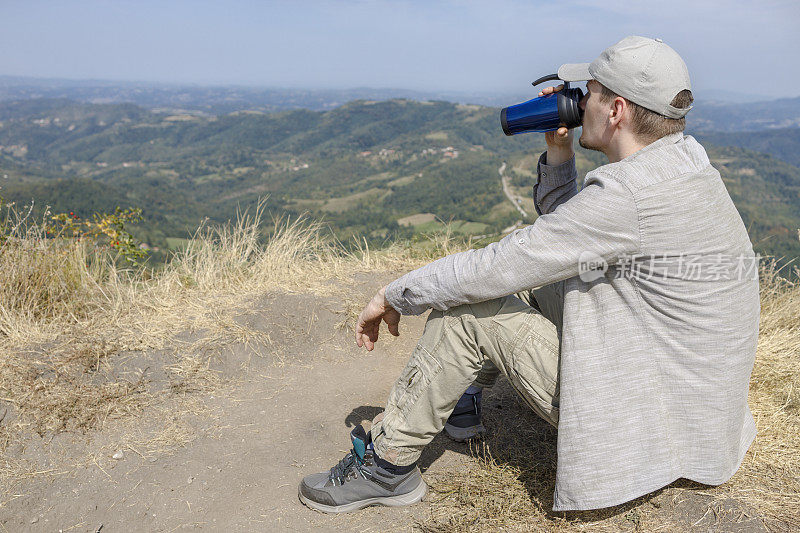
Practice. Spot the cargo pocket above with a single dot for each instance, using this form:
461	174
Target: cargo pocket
537	356
416	376
536	398
536	372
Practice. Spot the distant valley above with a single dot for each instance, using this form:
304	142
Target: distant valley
371	170
713	111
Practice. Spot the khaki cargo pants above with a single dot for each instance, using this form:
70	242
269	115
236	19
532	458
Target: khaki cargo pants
472	344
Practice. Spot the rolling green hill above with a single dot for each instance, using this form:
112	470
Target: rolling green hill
782	143
375	170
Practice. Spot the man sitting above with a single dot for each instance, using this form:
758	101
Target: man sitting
626	315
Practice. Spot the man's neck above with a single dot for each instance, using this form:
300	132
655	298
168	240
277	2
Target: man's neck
622	146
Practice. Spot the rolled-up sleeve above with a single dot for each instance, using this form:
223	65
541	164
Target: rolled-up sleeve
555	185
601	220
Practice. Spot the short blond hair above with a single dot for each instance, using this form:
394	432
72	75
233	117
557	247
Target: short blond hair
648	125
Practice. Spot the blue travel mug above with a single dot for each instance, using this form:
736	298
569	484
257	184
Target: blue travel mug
545	113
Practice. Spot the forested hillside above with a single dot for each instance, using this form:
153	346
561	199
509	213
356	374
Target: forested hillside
782	143
710	113
374	170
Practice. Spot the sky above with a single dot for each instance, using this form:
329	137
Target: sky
454	45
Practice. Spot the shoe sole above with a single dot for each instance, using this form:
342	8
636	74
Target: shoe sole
464	434
401	500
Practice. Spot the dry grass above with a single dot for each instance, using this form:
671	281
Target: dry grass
69	316
510	484
770	476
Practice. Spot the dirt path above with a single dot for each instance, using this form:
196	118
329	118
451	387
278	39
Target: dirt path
507	191
248	442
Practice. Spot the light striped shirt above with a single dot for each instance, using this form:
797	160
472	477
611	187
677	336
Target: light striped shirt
658	347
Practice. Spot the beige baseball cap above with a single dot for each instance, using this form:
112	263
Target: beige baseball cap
643	70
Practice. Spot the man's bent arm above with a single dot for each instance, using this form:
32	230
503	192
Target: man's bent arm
555	185
601	221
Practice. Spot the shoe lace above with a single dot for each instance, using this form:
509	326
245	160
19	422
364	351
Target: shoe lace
348	468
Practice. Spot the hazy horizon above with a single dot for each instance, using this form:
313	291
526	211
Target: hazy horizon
451	46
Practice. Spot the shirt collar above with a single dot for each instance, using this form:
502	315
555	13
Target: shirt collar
672	138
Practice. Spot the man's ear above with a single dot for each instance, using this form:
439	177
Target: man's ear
618	109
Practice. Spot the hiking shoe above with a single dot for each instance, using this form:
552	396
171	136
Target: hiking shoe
358	482
465	421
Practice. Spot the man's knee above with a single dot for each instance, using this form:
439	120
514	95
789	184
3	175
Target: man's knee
454	336
485	309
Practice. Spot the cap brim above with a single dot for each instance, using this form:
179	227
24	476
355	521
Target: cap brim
574	72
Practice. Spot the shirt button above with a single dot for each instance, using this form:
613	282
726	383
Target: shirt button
544	174
521	241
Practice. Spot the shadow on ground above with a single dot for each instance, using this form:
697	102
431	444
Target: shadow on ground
517	438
